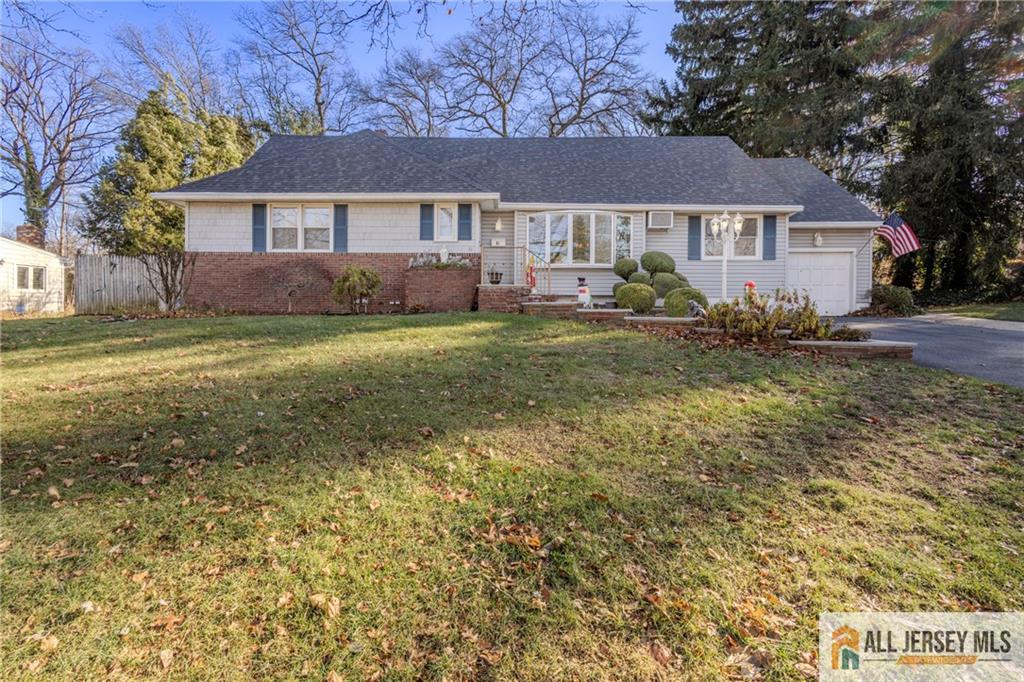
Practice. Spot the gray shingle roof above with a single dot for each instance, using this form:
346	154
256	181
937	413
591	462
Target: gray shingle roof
603	170
822	198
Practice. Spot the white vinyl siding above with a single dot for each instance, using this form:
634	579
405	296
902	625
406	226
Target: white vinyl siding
372	228
706	275
40	269
841	238
499	258
218	227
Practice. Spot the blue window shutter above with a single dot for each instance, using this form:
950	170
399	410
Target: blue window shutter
259	228
769	238
427	222
693	240
465	222
340	228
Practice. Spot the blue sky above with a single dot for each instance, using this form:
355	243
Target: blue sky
90	25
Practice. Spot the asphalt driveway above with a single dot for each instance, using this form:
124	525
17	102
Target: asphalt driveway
987	349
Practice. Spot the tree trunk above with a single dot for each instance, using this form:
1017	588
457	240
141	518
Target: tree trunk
929	267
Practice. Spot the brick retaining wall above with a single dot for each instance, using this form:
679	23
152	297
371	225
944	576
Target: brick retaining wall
501	298
262	282
430	290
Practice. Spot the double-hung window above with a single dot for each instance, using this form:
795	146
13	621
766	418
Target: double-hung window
31	278
300	227
747	246
446	219
579	238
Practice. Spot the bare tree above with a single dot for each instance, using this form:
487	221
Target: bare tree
546	68
186	52
55	124
591	77
291	68
407	98
492	68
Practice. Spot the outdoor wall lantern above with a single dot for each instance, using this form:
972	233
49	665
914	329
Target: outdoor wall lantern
497	225
725	231
818	239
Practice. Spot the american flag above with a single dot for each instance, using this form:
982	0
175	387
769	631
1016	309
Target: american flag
899	234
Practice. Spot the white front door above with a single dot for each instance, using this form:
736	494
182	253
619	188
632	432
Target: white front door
826	275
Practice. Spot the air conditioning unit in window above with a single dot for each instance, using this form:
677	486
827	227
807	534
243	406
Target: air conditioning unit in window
659	220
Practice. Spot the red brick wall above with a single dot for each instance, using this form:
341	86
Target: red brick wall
261	282
437	291
501	298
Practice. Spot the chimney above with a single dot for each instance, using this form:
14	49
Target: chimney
29	234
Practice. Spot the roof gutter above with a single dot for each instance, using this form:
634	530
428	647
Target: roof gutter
825	224
180	198
680	208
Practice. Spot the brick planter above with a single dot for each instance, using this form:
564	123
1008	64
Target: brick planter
275	283
501	298
432	290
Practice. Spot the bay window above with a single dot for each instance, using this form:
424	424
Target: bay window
300	227
580	238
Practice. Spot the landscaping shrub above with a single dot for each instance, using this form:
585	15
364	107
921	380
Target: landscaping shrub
616	287
640	278
801	316
894	300
657	261
664	282
846	333
624	267
355	287
637	297
681	278
677	301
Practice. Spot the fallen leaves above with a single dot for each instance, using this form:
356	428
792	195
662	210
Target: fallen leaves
48	643
660	653
166	657
285	600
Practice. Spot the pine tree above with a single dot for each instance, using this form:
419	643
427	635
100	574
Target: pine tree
778	78
161	147
958	174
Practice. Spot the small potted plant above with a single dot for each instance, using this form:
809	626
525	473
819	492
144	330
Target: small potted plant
494	276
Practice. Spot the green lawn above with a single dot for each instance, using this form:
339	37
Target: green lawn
1012	311
478	496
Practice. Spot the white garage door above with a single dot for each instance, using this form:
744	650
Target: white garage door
826	276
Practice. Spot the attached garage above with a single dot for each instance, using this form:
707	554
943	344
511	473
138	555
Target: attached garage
829	277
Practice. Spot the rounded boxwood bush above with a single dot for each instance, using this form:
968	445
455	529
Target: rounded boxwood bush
640	278
664	282
677	301
681	277
616	287
624	267
657	261
639	298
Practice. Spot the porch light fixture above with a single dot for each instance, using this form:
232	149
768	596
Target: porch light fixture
725	231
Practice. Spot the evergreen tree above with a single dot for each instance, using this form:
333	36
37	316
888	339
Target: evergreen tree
161	147
779	78
954	114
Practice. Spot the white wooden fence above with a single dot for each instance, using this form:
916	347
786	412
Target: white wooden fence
106	284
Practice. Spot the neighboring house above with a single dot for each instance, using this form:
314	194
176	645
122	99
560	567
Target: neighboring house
569	206
31	279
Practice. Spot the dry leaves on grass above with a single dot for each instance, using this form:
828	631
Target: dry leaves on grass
166	656
660	653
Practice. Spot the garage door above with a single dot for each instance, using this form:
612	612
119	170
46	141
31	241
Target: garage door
827	277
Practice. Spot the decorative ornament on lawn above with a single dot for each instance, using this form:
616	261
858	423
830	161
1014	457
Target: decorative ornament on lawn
583	293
